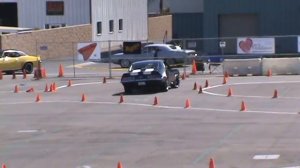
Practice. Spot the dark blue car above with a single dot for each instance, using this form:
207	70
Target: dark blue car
150	74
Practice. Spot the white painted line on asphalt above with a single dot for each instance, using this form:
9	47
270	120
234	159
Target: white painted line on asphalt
205	90
27	131
81	65
266	157
292	167
84	166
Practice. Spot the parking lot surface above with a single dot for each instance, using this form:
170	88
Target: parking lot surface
93	124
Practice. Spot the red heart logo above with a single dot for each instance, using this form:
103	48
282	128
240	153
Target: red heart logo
246	45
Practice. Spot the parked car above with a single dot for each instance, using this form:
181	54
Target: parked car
150	74
167	52
14	60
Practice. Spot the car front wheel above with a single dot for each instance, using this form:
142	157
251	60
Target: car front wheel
170	61
28	68
125	63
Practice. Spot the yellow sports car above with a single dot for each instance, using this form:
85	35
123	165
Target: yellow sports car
14	60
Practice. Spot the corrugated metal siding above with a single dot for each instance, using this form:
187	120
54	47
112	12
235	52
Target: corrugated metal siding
276	17
185	6
133	13
32	13
187	25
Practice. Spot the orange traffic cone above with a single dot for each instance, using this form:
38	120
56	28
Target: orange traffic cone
183	76
69	83
104	80
229	92
119	165
61	71
3	166
83	98
243	106
121	99
16	89
187	103
206	83
38	98
24	74
226	75
275	95
194	68
155	101
212	163
224	80
269	72
54	88
46	88
200	90
30	90
195	86
51	88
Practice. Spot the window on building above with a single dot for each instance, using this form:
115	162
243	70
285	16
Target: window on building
111	26
99	28
55	7
120	24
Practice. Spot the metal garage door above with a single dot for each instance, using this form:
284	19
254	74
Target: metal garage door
237	25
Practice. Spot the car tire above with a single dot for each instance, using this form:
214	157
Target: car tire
165	87
170	61
28	68
176	83
125	63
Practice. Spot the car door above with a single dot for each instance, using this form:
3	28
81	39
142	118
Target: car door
10	61
147	53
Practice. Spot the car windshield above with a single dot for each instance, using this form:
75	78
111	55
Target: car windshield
173	47
144	65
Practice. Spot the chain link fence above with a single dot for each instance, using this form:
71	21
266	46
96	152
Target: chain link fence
108	60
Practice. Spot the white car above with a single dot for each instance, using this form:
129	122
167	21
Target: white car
169	53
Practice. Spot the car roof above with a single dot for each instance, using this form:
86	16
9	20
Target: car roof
11	50
148	61
159	45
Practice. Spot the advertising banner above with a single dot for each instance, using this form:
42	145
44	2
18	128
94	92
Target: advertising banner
89	52
256	46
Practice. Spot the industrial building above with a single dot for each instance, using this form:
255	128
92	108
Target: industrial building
119	20
236	18
40	14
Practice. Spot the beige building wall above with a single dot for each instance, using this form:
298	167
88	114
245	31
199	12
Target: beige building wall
51	43
160	28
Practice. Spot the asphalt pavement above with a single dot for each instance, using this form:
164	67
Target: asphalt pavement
86	126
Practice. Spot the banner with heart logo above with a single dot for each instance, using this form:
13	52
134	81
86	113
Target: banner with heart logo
298	44
255	45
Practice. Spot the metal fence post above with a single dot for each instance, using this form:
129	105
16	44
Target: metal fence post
185	58
109	58
74	69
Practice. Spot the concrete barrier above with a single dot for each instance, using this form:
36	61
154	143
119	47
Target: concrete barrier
281	66
242	67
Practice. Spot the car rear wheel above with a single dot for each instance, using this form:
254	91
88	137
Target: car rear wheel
28	68
176	83
165	87
125	63
170	61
